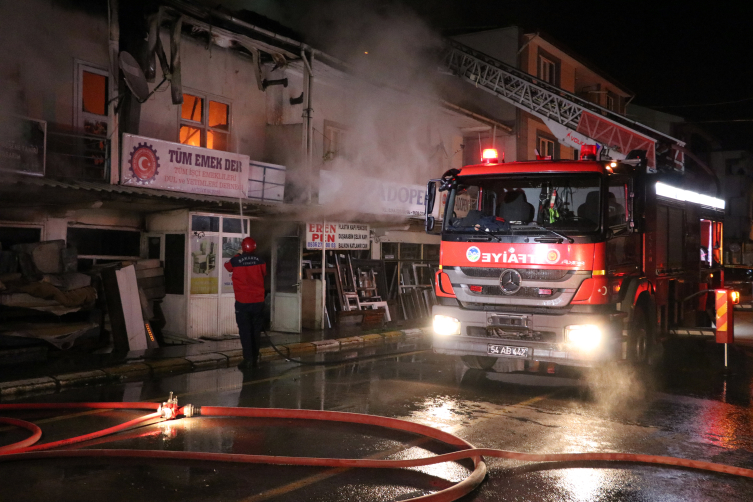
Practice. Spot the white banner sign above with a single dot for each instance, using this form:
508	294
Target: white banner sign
370	195
153	163
337	236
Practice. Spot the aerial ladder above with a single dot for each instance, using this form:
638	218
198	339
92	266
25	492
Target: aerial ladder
575	121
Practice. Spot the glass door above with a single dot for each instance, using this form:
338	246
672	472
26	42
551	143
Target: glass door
286	284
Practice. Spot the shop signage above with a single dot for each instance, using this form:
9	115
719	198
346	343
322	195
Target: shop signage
22	145
370	195
159	164
331	235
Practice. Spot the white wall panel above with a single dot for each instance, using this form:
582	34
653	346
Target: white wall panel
227	324
202	316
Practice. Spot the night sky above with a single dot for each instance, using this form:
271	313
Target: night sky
670	54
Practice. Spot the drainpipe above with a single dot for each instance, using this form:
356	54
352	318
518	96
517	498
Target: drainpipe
308	143
305	124
310	133
114	133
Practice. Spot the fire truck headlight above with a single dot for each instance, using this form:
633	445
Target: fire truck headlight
446	325
584	337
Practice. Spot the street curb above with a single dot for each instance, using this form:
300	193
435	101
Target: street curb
143	369
128	372
326	345
207	361
171	365
80	378
31	385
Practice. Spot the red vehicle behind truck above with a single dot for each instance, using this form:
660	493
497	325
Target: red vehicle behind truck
570	263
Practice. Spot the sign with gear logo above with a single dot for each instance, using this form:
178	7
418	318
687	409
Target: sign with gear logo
144	163
156	164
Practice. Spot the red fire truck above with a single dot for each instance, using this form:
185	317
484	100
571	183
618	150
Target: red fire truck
570	263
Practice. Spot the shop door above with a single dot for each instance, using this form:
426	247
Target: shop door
214	239
286	285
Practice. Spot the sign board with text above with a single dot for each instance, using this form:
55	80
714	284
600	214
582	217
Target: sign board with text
330	235
23	145
153	163
371	195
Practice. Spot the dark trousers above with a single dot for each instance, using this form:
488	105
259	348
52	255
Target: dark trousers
250	318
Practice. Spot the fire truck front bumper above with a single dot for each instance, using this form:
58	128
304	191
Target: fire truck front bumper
569	339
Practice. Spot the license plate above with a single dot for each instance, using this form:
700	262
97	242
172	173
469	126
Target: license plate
507	350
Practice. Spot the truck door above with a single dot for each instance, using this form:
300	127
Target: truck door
623	245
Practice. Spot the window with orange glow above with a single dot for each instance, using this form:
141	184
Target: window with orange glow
190	135
94	93
202	125
192	108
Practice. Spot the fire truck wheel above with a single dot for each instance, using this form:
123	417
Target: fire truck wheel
479	362
639	341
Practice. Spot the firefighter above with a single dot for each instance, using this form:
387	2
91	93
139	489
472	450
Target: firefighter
248	285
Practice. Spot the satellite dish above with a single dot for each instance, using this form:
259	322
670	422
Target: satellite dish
134	76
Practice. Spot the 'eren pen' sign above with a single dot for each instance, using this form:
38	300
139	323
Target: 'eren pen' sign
337	236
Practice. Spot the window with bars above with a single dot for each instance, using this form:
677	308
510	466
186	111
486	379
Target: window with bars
205	122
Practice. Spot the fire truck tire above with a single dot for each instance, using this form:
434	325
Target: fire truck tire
479	362
640	338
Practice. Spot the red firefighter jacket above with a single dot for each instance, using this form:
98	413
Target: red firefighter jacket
248	277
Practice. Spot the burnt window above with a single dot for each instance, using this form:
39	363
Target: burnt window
10	236
204	122
100	242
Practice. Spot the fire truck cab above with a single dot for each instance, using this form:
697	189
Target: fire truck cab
573	263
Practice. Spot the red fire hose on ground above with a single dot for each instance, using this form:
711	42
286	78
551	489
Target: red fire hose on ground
27	450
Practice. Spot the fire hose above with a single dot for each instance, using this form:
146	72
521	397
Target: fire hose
169	410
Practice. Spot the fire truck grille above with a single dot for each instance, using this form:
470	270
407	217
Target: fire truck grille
527	274
526	292
527	336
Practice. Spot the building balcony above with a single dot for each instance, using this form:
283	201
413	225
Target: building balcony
79	156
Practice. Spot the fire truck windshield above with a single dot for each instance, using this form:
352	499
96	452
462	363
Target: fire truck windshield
566	203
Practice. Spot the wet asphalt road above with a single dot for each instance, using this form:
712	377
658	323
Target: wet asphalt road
687	408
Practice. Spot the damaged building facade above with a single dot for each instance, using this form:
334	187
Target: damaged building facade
241	130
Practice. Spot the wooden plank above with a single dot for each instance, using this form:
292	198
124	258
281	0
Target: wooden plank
151	282
149	272
144	264
152	293
131	305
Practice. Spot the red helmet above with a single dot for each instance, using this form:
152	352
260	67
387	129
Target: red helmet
248	245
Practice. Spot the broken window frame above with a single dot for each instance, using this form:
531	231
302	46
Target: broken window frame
106	257
334	140
203	126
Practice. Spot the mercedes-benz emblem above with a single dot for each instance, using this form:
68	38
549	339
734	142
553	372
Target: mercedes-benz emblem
509	280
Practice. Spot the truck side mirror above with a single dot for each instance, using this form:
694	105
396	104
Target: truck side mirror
431	194
429	224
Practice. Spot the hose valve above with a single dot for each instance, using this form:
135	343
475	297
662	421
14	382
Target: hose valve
169	408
